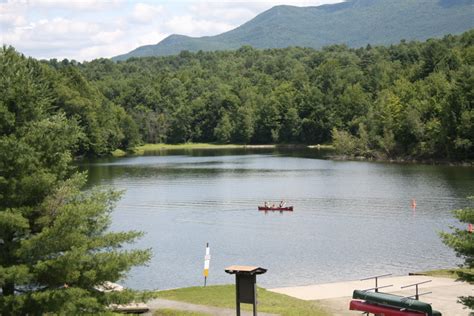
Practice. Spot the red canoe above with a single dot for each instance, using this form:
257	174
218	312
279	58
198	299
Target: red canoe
275	208
381	309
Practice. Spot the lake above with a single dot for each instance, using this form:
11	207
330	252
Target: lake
351	219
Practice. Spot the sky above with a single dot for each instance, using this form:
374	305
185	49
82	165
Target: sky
89	29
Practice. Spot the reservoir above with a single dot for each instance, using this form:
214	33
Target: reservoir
351	219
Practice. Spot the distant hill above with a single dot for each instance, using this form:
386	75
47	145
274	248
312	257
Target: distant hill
354	23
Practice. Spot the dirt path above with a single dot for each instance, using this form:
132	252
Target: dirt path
181	306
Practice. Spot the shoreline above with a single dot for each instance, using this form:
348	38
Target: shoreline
143	149
405	160
150	148
438	273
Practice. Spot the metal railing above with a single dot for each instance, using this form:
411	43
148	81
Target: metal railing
417	295
377	287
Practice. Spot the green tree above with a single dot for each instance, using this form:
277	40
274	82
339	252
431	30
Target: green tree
153	126
414	100
244	125
291	126
268	123
131	135
458	116
55	246
344	142
99	117
223	130
462	241
181	128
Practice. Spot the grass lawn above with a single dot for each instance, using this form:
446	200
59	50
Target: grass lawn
140	150
445	273
154	147
224	296
172	312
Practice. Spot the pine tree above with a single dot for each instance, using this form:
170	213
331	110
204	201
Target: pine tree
55	247
462	241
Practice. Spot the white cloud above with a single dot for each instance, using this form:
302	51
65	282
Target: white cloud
188	25
152	37
108	37
145	13
9	21
87	5
64	29
97	51
278	2
59	37
11	15
222	11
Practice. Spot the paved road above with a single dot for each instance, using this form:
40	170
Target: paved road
335	297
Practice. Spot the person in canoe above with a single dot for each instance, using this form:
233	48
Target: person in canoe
265	204
282	203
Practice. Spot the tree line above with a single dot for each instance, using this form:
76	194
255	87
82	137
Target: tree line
414	99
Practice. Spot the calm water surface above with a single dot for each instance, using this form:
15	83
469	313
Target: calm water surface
351	219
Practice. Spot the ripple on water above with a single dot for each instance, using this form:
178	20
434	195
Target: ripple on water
351	219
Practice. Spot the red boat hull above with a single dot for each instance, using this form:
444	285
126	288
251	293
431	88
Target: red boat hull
380	309
276	208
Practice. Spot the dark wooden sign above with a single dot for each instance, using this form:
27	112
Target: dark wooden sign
245	285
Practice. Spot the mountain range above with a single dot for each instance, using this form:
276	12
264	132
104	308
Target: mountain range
354	23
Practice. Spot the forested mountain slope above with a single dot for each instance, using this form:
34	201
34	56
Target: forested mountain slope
355	23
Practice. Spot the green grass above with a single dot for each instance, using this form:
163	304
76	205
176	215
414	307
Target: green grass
140	150
172	312
224	296
444	273
154	147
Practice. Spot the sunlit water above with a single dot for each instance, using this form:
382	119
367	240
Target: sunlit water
351	219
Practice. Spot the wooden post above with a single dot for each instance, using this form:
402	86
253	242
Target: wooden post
237	294
254	281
